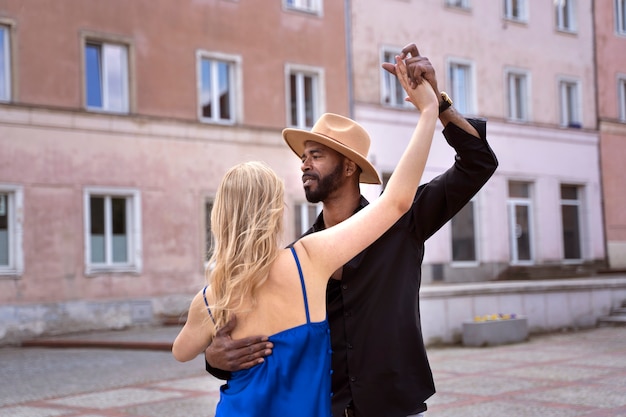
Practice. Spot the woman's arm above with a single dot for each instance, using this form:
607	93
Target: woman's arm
197	332
333	247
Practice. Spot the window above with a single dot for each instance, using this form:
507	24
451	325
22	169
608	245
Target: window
517	86
217	80
565	12
5	64
570	213
620	16
303	90
460	86
309	6
570	107
462	4
392	92
106	77
112	230
463	226
305	215
11	209
520	222
621	94
209	238
515	10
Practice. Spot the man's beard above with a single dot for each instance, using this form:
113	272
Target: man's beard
325	186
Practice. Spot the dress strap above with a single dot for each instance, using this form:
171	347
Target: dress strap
306	301
207	303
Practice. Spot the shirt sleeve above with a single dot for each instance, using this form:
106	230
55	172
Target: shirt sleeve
440	199
217	373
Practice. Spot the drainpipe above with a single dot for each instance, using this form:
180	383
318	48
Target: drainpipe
348	18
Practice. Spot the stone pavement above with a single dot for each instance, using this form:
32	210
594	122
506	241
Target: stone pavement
569	374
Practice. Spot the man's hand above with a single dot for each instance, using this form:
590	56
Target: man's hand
419	67
234	355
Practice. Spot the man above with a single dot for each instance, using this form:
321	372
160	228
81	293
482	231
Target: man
380	367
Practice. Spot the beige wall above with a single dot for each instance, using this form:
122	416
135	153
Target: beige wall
53	149
611	63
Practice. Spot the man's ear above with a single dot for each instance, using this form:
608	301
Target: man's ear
350	168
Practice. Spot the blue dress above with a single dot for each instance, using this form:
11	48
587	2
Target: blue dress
293	381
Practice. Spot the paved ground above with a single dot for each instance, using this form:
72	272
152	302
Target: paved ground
558	375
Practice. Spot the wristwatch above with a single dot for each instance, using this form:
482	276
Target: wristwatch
446	103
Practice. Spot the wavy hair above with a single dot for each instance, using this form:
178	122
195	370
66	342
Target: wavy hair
246	221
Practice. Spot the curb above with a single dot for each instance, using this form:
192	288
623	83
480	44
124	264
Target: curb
49	343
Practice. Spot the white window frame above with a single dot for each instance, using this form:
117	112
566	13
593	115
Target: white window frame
5	71
512	203
106	67
459	4
468	263
523	10
318	99
621	96
620	17
514	100
462	95
571	112
392	92
305	219
133	230
315	7
14	203
565	11
235	86
581	233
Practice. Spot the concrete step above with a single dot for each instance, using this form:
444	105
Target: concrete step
612	320
619	311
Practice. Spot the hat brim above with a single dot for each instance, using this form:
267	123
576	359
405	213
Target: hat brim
296	138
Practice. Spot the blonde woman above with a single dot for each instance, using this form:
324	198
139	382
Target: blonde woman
282	292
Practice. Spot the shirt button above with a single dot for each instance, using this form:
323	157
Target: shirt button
353	378
349	345
344	286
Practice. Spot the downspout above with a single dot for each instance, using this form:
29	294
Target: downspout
348	18
594	39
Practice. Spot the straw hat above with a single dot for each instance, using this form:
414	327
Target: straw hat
340	134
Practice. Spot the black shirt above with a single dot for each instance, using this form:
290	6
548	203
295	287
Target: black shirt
379	359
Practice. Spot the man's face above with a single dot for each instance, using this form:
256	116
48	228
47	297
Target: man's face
322	170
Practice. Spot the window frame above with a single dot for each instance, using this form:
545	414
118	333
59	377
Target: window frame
302	217
563	9
512	95
508	11
621	96
565	110
318	99
316	7
15	230
7	82
389	84
107	42
578	202
475	235
133	231
620	17
464	99
512	204
235	85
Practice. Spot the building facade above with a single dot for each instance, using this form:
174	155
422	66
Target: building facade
118	120
528	68
610	39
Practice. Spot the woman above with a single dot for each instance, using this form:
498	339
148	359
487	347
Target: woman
282	292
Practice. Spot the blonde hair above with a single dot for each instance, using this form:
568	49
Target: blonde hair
246	222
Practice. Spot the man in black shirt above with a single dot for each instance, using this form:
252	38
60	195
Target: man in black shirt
380	366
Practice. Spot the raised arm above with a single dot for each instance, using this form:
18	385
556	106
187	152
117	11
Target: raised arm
419	68
333	247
